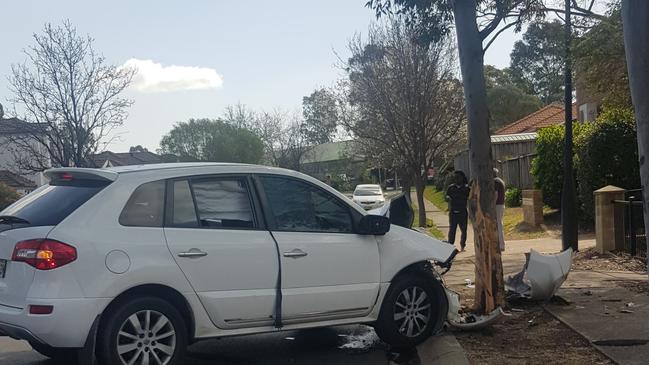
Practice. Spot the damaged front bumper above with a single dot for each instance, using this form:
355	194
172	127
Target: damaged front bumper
458	319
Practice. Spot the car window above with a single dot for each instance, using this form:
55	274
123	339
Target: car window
298	206
184	211
50	204
223	203
145	207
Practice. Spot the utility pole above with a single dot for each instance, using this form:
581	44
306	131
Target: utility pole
568	209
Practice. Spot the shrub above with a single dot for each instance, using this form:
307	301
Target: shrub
547	166
7	196
513	197
606	154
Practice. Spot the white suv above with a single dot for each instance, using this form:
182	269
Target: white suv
133	264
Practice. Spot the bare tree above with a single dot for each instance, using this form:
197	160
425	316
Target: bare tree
409	106
70	97
285	142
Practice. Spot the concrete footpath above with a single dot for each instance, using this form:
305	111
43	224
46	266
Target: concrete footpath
599	306
614	319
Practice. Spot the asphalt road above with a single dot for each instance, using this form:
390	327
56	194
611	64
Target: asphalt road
357	345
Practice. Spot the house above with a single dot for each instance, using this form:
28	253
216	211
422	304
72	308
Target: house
135	157
513	146
552	114
22	185
12	156
333	159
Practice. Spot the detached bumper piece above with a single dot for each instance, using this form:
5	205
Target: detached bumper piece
542	275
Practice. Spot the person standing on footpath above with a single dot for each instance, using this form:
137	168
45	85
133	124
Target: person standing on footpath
500	208
457	195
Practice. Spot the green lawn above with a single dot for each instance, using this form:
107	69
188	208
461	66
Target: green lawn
438	198
430	226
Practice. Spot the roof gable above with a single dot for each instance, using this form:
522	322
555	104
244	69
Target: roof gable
552	114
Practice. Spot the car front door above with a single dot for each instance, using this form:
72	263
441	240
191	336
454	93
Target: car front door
221	245
327	270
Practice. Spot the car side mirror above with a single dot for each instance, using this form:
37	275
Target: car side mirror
374	224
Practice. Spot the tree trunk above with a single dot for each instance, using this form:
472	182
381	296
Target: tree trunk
569	232
420	185
489	287
636	43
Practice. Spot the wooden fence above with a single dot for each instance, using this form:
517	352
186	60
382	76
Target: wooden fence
516	171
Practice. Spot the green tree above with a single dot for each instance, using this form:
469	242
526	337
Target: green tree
212	140
507	103
7	196
537	61
320	114
600	63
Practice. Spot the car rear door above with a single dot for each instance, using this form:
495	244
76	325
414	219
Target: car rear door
327	271
216	236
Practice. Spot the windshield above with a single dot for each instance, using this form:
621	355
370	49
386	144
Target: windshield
367	192
49	204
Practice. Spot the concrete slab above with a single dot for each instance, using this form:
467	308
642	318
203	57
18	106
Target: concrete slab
614	319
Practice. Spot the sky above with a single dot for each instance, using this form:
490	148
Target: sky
196	57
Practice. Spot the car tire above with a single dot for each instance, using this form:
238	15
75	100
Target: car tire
406	320
146	327
62	355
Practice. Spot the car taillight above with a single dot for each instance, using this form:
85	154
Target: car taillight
44	254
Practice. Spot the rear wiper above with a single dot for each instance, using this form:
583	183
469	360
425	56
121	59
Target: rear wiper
10	219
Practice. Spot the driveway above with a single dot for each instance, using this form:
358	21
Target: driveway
348	345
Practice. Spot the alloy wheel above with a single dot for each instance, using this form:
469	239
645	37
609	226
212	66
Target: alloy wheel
412	311
146	338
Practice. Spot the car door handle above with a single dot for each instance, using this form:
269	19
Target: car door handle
194	252
295	253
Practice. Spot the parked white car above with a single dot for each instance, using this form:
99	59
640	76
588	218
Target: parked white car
368	196
134	263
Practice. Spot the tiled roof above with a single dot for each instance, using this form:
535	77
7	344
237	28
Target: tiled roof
552	114
125	158
17	126
15	181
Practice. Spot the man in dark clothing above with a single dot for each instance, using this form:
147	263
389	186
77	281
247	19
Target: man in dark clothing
457	195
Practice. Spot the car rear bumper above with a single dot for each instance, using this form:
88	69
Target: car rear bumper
67	326
18	333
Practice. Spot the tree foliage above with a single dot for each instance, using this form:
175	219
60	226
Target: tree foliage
507	103
69	95
547	166
537	61
600	63
320	114
606	153
212	140
407	102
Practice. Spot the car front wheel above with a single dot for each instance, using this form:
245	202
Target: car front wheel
411	310
143	331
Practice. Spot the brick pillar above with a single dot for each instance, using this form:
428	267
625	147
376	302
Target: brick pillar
533	207
605	217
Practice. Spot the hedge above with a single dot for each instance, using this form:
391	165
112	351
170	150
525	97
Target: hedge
606	153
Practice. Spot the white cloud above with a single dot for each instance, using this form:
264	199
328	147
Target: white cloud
154	77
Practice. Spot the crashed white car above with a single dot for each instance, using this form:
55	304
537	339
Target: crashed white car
133	264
